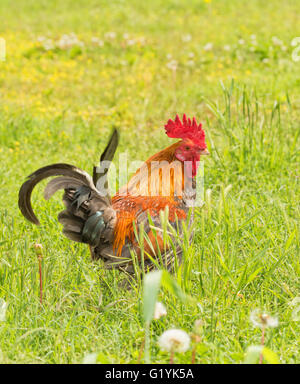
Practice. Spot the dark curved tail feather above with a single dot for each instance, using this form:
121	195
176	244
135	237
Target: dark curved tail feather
107	155
61	169
89	216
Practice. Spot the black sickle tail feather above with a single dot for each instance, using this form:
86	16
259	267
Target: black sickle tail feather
88	216
107	155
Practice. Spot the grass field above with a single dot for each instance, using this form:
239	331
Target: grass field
134	65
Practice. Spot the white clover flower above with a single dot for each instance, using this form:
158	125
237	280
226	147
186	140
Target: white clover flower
253	37
63	43
208	47
48	44
159	311
241	41
191	55
263	320
226	47
276	41
40	39
110	35
97	41
265	60
3	308
68	41
190	63
186	38
174	340
130	42
172	65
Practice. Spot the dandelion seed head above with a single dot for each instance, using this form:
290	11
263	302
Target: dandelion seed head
91	358
174	340
159	311
263	320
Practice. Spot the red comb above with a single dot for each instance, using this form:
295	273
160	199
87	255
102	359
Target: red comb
186	129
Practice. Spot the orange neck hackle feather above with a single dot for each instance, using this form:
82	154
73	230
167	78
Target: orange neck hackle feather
129	201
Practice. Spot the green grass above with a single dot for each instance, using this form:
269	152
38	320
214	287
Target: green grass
60	105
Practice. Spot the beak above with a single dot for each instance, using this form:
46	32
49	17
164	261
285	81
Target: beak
204	152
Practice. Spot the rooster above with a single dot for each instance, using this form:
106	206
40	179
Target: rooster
109	225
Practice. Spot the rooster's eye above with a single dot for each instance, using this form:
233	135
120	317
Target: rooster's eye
187	148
